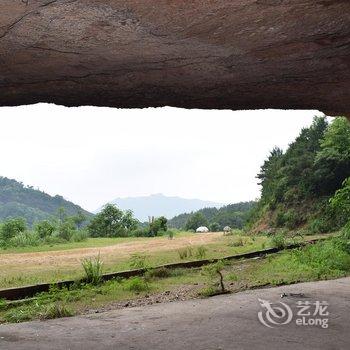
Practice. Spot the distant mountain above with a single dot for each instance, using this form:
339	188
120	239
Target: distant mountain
233	215
17	200
158	205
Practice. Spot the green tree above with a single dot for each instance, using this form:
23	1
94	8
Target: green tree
158	225
214	227
79	219
296	177
332	164
44	228
61	214
66	229
269	176
111	222
12	227
196	220
128	221
340	202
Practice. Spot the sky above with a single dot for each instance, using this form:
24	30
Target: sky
92	155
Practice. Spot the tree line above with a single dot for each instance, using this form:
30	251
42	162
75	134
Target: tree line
233	215
297	186
63	228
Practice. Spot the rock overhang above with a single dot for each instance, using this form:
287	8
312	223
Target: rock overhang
220	54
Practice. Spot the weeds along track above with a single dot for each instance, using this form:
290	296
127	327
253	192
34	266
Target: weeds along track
30	291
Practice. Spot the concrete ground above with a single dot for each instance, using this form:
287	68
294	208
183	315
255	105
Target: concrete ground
222	322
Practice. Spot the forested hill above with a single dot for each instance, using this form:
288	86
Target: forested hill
233	215
17	200
299	185
160	205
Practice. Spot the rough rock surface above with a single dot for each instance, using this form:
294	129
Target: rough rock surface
235	54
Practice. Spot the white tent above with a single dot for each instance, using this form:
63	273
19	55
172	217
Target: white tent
202	229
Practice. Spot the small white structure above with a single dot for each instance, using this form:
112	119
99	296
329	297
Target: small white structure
202	229
227	229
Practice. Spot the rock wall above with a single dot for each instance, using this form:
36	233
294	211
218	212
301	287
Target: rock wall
237	54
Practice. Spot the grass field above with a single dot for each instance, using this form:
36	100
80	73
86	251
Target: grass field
324	260
41	264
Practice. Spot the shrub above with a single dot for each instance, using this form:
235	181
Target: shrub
280	219
278	240
36	309
66	230
208	292
80	236
138	261
237	243
177	272
201	252
54	239
234	232
24	239
319	225
161	272
325	257
3	304
136	285
44	229
185	253
213	272
93	270
141	232
232	277
171	234
345	232
56	310
22	314
292	219
12	227
214	227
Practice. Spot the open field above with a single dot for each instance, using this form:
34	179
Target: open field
33	265
20	268
323	260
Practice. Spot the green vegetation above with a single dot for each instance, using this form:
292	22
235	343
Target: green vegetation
215	278
233	215
137	285
112	222
196	220
305	190
278	240
14	232
93	270
17	200
138	261
185	253
201	252
15	273
323	260
297	185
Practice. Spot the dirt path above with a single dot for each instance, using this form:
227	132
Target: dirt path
120	250
223	322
